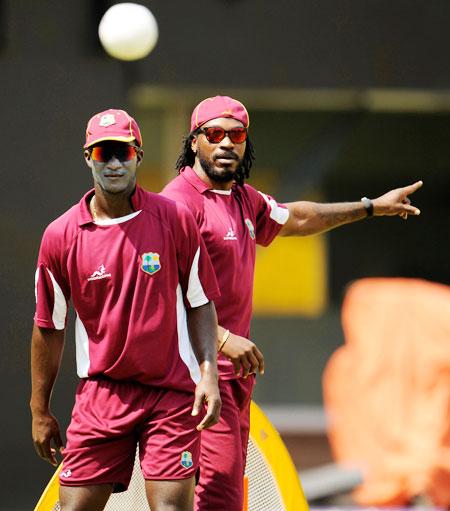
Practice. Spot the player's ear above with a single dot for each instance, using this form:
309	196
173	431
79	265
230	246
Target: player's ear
194	144
139	157
87	157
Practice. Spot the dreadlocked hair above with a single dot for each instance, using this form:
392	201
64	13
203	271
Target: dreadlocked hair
187	158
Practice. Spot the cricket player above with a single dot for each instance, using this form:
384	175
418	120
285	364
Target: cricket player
233	217
141	283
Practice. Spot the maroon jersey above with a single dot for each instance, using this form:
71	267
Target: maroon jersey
231	224
130	280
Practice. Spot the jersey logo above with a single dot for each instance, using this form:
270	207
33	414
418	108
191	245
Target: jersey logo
186	459
107	120
230	235
250	227
150	262
66	473
100	273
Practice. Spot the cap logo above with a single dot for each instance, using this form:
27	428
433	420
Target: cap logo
228	112
107	120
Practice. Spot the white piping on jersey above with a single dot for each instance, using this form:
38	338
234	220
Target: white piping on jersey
59	301
36	279
221	192
195	294
113	221
280	215
184	343
82	348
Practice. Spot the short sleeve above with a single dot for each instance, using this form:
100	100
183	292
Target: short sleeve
51	289
270	216
197	278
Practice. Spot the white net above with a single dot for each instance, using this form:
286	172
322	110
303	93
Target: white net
263	493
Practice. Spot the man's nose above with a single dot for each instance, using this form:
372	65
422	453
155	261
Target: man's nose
226	142
114	162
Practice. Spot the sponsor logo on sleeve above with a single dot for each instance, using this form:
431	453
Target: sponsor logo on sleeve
66	473
150	263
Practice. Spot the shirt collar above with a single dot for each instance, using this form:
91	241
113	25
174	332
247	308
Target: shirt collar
191	177
85	217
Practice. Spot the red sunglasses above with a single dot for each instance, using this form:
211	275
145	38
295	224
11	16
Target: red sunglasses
122	152
215	134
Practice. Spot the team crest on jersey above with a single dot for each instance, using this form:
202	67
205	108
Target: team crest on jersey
107	120
186	459
150	262
250	227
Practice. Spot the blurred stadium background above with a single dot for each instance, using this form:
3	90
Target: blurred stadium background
346	99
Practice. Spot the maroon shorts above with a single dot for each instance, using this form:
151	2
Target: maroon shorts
224	450
111	417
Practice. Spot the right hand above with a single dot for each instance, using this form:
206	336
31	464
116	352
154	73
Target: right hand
45	433
245	356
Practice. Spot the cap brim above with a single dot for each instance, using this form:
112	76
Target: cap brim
109	137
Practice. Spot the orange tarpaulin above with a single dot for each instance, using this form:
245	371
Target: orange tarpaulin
387	390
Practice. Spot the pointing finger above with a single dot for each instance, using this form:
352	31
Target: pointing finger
413	188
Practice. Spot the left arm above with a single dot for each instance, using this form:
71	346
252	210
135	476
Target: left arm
202	325
307	218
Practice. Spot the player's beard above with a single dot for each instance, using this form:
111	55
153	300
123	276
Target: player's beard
224	175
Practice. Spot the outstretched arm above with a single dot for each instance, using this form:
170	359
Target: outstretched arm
307	218
202	324
46	351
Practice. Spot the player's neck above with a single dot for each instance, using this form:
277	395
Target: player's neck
105	205
214	185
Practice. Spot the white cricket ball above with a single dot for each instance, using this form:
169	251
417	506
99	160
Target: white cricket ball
128	31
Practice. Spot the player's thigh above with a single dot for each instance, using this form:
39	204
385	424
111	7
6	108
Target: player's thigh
175	495
169	441
80	498
224	446
221	460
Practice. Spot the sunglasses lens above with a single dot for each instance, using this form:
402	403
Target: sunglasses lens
125	153
238	135
99	153
122	152
214	135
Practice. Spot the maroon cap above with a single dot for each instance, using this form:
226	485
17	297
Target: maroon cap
219	106
112	125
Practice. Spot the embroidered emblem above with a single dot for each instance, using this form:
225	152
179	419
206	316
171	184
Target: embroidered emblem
230	235
66	473
107	120
150	263
100	273
186	459
250	227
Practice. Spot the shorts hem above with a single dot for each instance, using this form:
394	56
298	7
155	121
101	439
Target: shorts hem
170	478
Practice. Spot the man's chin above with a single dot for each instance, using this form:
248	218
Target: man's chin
220	174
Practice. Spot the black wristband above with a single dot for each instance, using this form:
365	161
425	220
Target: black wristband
368	206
